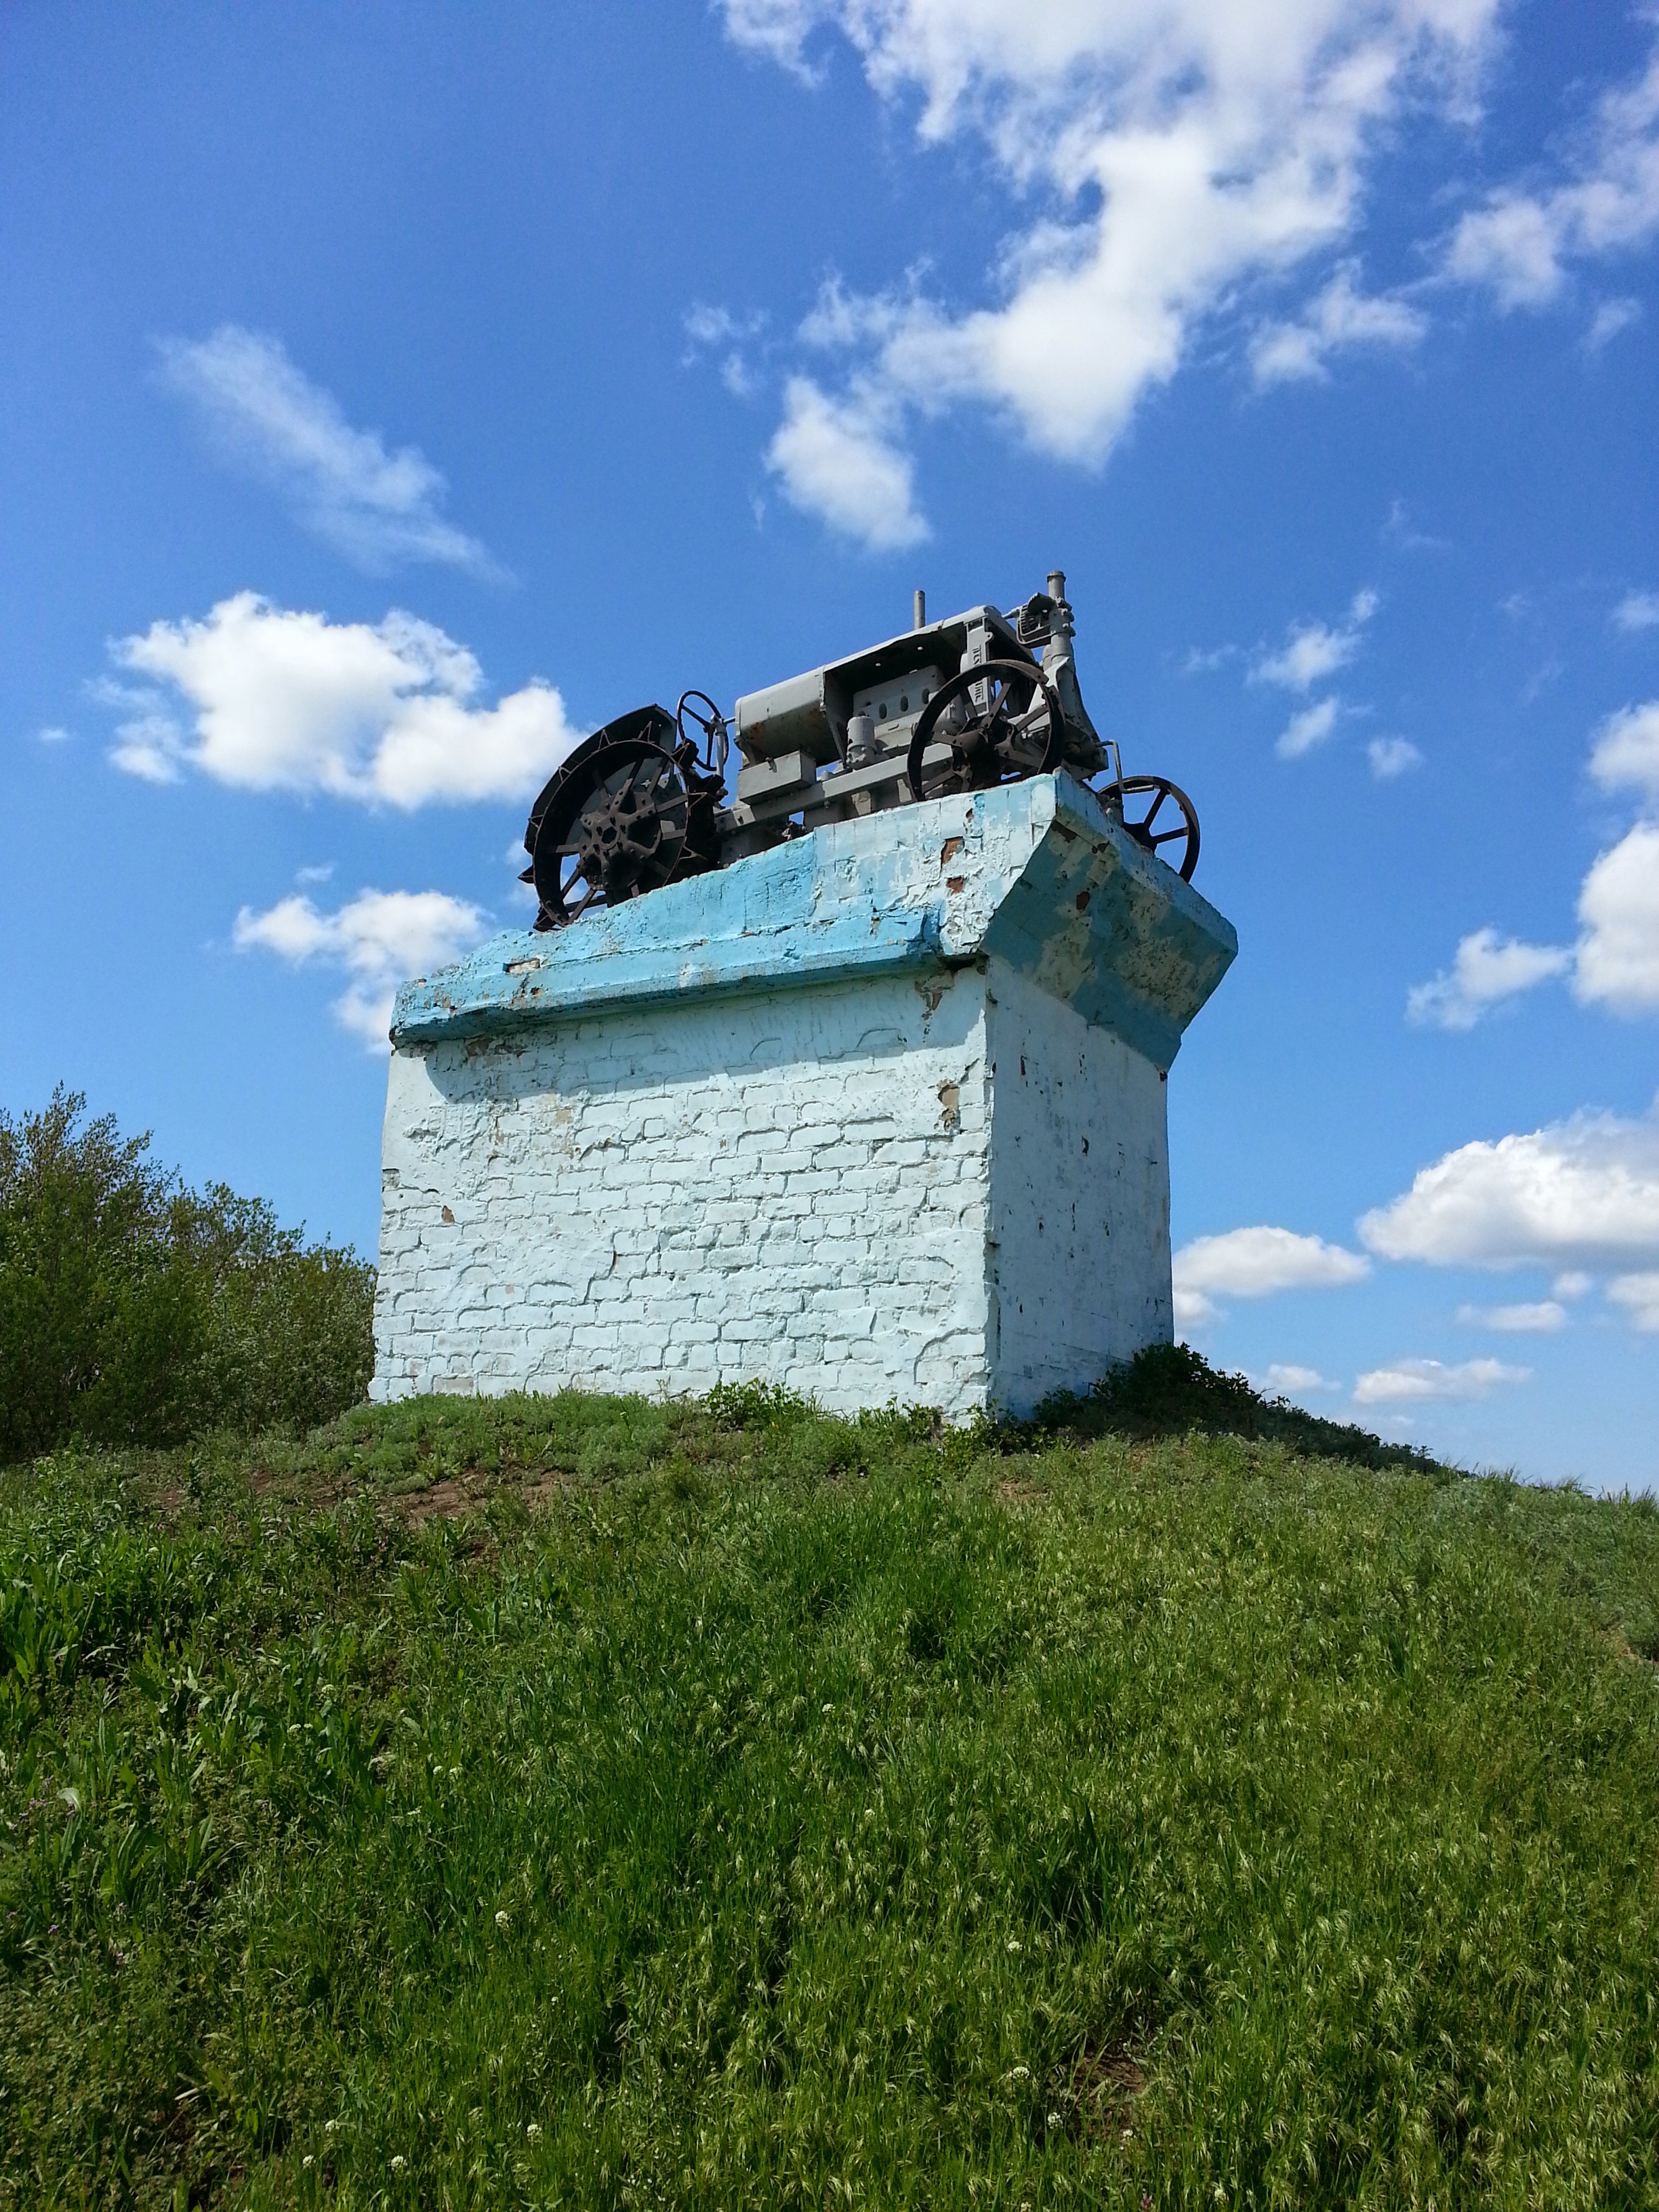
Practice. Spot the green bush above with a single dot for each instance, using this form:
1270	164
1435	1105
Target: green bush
135	1310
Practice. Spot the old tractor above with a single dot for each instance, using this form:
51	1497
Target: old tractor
979	699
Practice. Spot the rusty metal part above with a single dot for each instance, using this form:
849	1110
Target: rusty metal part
716	745
1000	721
977	699
1143	799
627	813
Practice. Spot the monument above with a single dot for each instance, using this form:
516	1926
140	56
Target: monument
873	1109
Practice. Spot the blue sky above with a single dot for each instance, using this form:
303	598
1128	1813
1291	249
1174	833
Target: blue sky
388	395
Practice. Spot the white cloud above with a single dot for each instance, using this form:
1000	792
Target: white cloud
1399	529
1572	1283
1511	246
284	701
1609	319
1392	756
1312	651
1639	1295
1581	1193
776	28
1341	315
1488	969
836	459
1615	961
1541	1318
1519	244
1306	730
1411	1381
1175	151
1625	753
52	735
379	939
1636	611
148	746
1254	1263
1295	1381
1617	954
719	330
264	414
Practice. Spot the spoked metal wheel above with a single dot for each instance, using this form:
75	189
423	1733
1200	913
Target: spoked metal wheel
1159	815
994	724
614	827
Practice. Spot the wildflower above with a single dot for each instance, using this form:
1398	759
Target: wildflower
308	2160
533	2131
501	1920
398	2164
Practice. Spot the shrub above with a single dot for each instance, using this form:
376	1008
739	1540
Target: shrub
135	1310
1169	1389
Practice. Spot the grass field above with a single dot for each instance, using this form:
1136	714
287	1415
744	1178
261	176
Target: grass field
584	1802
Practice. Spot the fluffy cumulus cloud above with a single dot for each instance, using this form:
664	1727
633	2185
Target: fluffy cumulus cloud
1617	958
1639	1295
1615	961
1314	650
1172	151
270	699
835	458
1254	1263
1411	1382
1520	244
1581	1194
1625	756
379	939
1292	1382
264	414
1637	611
1488	970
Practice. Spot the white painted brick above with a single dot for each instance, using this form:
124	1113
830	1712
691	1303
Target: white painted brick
768	1186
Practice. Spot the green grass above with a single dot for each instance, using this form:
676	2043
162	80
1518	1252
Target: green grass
723	1805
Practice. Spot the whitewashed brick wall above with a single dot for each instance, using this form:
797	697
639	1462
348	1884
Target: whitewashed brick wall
1080	1265
791	1188
880	1114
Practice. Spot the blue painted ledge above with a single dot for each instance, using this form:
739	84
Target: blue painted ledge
1034	872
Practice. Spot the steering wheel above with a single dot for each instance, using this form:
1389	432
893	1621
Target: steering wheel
716	738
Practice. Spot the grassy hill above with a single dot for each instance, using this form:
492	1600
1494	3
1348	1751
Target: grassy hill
584	1802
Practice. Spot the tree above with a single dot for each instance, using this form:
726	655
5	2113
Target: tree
135	1310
